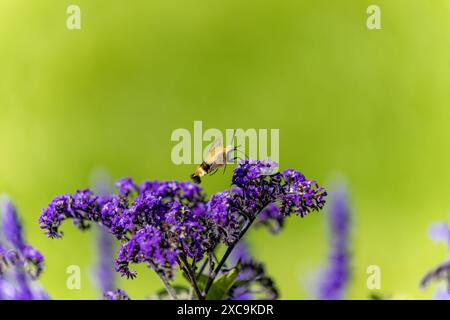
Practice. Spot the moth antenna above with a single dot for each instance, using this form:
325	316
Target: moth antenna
242	152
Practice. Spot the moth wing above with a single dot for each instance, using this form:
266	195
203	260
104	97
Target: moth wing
229	154
215	149
216	144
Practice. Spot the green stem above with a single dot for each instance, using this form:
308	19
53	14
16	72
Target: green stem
191	276
170	290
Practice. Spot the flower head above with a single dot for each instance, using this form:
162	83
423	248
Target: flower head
441	272
271	217
334	279
252	281
34	260
116	295
20	263
224	211
12	227
165	223
148	245
268	196
440	232
442	294
104	270
301	195
249	171
241	253
23	289
126	186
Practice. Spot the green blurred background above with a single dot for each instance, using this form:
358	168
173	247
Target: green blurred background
371	105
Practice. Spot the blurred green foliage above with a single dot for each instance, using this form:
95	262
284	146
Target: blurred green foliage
372	105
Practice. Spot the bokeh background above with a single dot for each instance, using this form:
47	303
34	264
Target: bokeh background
370	105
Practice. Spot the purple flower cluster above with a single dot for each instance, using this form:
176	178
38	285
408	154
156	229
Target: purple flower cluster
223	208
116	295
267	196
440	273
20	263
171	224
104	272
164	220
105	275
12	227
252	282
334	279
148	245
439	232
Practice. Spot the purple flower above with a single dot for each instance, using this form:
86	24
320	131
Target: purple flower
440	232
3	261
300	195
241	253
175	211
440	273
193	229
7	290
126	186
57	211
23	290
82	208
21	253
20	263
265	195
334	279
148	245
12	227
17	286
18	270
272	218
442	294
252	281
113	216
116	295
223	210
249	171
105	274
34	260
164	224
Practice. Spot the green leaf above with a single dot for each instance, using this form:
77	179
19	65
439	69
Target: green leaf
201	281
222	286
